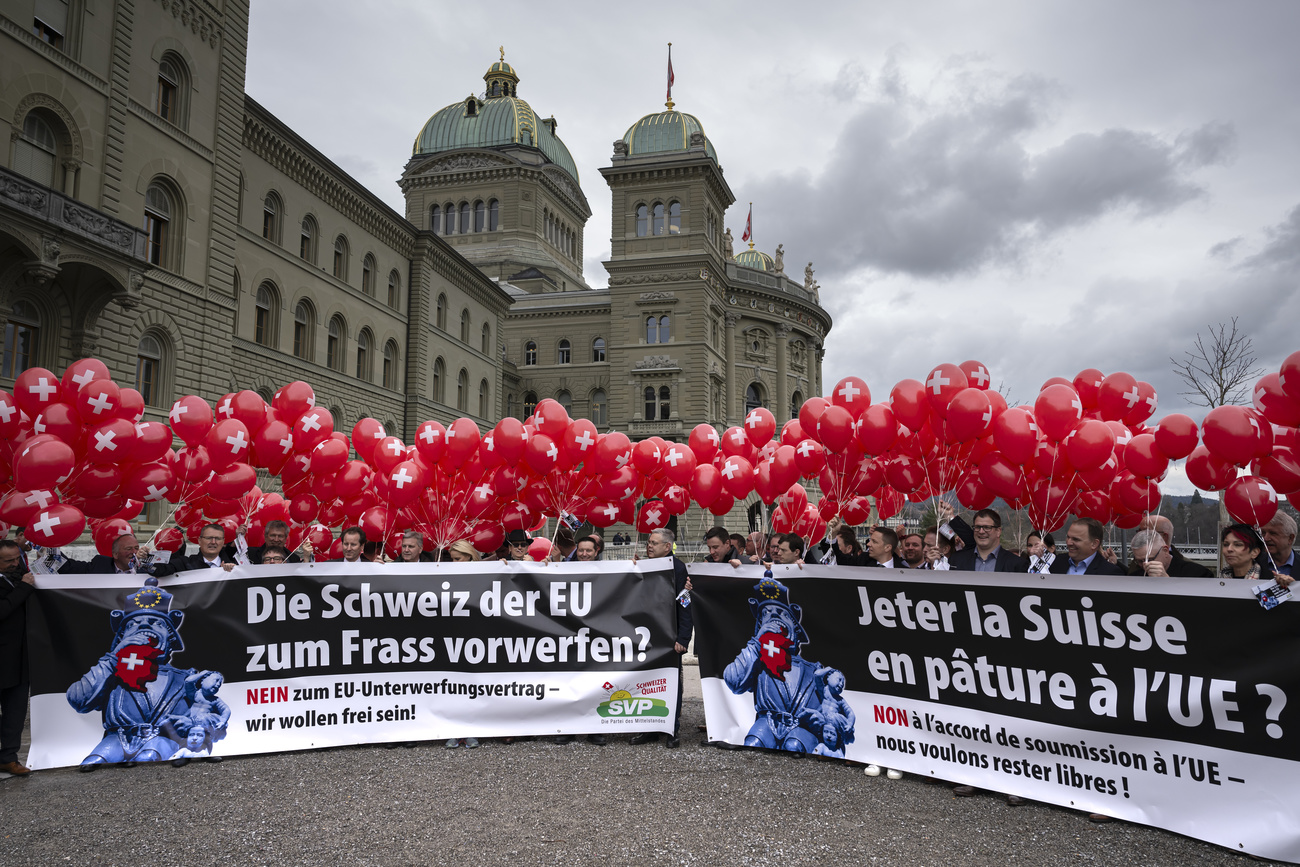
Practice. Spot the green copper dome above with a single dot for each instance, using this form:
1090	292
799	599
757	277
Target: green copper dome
665	132
501	119
757	260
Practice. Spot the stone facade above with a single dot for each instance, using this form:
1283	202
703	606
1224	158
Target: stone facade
156	217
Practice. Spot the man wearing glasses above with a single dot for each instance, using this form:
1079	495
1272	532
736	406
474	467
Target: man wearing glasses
211	540
274	555
988	554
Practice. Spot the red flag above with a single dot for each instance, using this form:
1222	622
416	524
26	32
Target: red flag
774	652
137	665
670	72
749	225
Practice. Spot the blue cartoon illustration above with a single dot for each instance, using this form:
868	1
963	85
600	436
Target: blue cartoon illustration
150	709
799	705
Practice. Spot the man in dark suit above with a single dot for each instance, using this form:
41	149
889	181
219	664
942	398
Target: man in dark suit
16	585
660	544
211	539
882	549
1152	556
987	555
125	560
1083	546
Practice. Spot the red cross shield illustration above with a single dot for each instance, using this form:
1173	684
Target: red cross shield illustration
774	651
137	665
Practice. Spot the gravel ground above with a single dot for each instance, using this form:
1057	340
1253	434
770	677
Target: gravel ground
539	803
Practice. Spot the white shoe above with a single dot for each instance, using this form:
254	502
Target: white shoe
872	770
893	774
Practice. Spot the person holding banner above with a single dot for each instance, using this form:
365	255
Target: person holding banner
125	561
16	586
1279	538
988	555
1243	554
1083	544
274	555
211	540
461	551
1151	556
660	544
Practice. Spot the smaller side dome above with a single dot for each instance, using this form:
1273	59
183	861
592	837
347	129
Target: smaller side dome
756	259
501	79
666	132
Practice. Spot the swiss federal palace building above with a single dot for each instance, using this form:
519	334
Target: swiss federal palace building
155	216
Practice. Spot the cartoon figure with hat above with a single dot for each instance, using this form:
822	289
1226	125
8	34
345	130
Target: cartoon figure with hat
134	685
795	700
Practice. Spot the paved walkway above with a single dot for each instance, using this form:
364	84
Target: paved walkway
534	803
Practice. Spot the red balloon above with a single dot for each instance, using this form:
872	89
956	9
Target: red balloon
1281	469
1290	376
852	394
169	539
1016	435
1089	445
811	411
11	418
245	406
737	477
367	433
653	516
1001	476
1136	494
95	482
1087	384
42	463
704	442
706	484
904	474
113	442
551	418
1145	406
977	375
232	482
388	453
329	456
273	445
60	420
149	482
1250	500
228	442
78	373
810	458
760	426
835	428
486	537
294	399
877	429
508	441
191	419
1057	410
312	427
614	451
1144	458
1094	504
1231	434
304	508
1208	472
56	526
723	504
541	453
646	455
1176	436
1118	396
970	415
540	549
35	389
580	440
130	405
972	494
98	400
679	464
942	384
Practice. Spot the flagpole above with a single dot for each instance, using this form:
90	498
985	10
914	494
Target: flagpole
669	103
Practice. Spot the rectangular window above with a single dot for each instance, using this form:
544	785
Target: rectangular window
20	346
47	33
166	100
332	359
299	338
156	229
146	379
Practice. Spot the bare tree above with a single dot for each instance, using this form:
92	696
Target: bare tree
1220	367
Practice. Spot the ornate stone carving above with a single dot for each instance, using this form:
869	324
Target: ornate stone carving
655	362
27	195
779	259
732	319
657	296
662	277
461	162
728	250
783	331
561	180
620	148
50	248
106	229
808	276
697	140
200	24
70	133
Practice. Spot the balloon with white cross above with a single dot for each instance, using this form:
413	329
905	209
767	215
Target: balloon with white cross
112	442
56	526
36	388
293	399
82	371
314	426
942	384
852	394
759	426
228	441
42	462
191	419
98	401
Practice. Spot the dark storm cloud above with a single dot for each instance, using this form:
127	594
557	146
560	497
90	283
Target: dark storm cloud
1282	250
936	188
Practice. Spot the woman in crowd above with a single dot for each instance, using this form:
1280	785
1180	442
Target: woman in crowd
1243	554
461	551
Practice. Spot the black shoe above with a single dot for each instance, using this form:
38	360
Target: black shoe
673	743
564	739
598	740
180	763
128	764
87	769
963	791
1015	801
643	738
216	759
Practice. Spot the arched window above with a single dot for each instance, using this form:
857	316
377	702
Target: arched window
157	224
341	259
303	328
264	311
663	329
796	401
650	404
675	218
564	353
171	102
658	219
494	213
307	240
530	403
36	153
148	369
22	339
435	219
530	353
564	399
483	409
440	318
462	390
439	381
753	397
390	365
487	339
642	221
450	210
599	408
665	402
363	355
334	344
652	329
464	325
368	274
394	289
271	210
598	349
480	216
464	217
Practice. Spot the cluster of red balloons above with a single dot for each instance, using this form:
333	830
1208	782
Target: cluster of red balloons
1263	440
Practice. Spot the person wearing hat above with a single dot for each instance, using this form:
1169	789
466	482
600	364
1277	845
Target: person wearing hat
1243	554
134	686
518	540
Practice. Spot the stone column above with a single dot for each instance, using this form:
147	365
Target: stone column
818	354
70	168
782	396
734	393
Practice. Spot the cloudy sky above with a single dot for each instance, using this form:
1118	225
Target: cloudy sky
1043	186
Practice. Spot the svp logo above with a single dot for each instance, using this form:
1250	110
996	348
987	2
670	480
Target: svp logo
627	702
